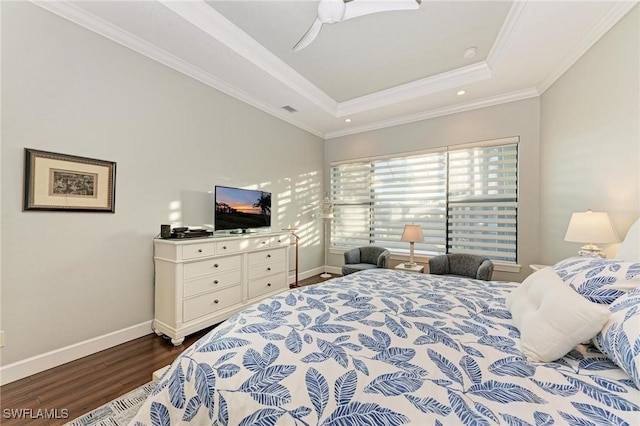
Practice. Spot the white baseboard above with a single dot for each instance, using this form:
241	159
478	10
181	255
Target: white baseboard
313	272
335	270
27	367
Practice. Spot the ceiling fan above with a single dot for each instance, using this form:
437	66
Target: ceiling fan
334	11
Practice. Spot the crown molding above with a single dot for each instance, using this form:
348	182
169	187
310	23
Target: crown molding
213	23
444	81
207	19
615	14
503	39
437	83
97	25
438	112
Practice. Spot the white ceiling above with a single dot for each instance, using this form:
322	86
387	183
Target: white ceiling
376	52
378	70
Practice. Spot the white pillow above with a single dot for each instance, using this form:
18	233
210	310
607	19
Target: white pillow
551	317
629	251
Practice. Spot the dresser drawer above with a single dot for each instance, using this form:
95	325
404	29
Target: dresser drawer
206	267
194	251
212	282
281	240
267	285
232	246
265	269
258	243
209	303
265	256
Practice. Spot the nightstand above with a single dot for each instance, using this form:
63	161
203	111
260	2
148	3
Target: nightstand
536	267
415	268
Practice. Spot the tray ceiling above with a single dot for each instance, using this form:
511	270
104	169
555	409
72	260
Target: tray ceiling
377	70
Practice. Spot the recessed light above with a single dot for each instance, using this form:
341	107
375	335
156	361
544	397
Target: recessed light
461	92
348	120
470	53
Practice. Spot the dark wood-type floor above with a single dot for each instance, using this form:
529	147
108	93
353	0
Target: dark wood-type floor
87	383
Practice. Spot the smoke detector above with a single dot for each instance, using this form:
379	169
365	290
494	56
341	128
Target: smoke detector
470	53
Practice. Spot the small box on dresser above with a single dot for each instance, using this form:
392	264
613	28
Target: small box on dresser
201	282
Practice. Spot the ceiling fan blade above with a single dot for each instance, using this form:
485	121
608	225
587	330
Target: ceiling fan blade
309	36
357	8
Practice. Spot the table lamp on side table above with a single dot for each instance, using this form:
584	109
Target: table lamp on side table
591	228
411	234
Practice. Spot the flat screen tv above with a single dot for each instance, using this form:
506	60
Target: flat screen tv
241	209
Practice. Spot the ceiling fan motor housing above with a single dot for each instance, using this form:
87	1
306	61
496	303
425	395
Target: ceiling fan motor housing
331	11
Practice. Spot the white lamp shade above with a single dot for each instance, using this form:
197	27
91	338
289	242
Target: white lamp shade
326	209
412	234
591	227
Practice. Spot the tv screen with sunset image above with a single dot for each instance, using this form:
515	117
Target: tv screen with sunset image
238	208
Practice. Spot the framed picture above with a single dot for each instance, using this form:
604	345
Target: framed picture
68	183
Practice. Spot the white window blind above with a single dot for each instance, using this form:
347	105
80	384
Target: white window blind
465	200
375	199
351	195
483	201
410	190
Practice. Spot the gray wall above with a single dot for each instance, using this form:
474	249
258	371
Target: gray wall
513	119
590	140
69	277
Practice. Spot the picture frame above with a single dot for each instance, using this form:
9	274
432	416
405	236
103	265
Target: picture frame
61	182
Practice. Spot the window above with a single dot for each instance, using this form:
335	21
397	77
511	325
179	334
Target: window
465	200
483	201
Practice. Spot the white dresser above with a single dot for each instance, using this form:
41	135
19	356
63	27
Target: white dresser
201	282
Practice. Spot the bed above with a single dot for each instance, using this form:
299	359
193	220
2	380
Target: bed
386	347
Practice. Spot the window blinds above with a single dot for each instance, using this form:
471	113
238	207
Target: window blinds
373	200
465	200
409	190
482	204
351	196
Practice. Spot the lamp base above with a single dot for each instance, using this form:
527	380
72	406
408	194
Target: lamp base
410	264
591	250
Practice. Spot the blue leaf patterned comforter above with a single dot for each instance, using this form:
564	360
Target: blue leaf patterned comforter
384	347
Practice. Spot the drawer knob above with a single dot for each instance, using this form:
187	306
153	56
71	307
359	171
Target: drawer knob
216	301
215	282
268	269
268	255
224	247
264	242
268	284
199	250
215	265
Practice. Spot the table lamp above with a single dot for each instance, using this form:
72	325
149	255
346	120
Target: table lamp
411	234
591	228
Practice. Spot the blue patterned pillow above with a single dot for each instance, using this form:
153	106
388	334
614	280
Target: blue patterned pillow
619	339
599	280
